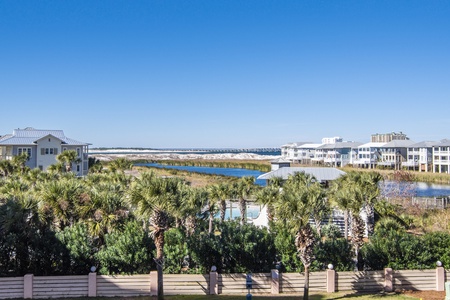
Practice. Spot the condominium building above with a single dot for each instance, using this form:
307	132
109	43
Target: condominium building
388	137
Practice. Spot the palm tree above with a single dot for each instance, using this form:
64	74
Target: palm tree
68	158
6	167
192	206
320	205
19	161
120	164
220	193
293	209
341	195
154	199
244	188
59	200
371	191
102	207
268	196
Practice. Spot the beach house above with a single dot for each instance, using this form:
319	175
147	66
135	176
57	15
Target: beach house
42	147
394	153
420	157
441	157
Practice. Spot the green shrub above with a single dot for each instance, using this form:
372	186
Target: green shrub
127	252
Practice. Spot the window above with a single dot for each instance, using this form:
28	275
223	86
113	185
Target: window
49	151
78	152
24	150
78	168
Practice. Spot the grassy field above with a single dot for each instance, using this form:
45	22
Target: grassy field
312	296
292	297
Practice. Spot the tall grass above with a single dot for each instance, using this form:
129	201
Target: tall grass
263	166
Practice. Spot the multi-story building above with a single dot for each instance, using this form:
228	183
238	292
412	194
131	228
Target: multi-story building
388	137
332	140
42	147
394	153
368	155
300	152
391	150
420	157
338	154
441	157
306	153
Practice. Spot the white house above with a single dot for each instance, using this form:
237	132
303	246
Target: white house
338	154
368	155
42	147
394	153
420	156
441	157
291	151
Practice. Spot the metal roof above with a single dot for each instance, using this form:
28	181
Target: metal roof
340	145
443	143
309	146
371	144
320	173
398	144
29	136
424	144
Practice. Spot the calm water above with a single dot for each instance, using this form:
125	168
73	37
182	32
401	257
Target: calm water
421	189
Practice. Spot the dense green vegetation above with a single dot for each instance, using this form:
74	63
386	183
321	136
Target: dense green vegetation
55	223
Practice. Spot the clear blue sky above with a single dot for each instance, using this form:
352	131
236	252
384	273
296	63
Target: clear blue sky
225	73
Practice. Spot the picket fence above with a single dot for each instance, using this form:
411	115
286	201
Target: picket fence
93	285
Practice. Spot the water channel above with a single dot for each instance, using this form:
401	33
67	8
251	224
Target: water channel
420	189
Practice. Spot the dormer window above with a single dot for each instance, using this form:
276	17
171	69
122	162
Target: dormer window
49	140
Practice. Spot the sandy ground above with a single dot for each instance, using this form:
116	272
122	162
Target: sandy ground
190	156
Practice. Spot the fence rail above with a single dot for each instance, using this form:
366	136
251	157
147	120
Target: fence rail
431	203
93	285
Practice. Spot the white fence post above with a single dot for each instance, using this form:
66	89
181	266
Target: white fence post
28	286
92	284
388	280
213	283
153	283
331	281
275	287
440	278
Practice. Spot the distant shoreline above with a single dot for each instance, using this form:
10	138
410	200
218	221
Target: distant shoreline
177	156
108	154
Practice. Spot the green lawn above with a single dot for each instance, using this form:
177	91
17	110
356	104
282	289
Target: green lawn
314	296
284	297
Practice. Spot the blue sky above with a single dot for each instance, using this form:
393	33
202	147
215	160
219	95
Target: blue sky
225	73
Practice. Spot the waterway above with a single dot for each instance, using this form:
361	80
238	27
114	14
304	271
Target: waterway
418	189
211	170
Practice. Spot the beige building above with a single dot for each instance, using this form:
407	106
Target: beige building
388	137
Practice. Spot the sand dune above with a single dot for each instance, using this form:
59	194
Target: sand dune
190	156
